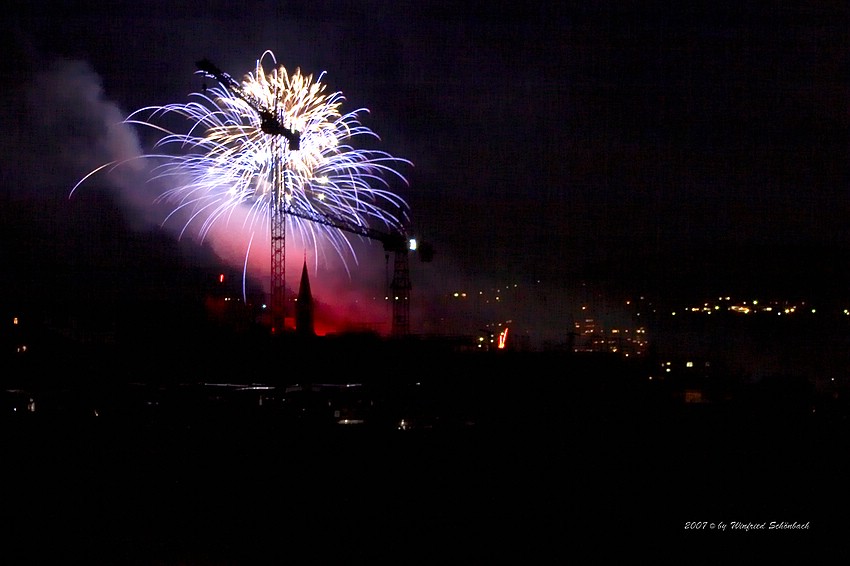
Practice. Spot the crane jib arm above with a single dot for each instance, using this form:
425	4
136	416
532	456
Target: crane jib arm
393	241
269	122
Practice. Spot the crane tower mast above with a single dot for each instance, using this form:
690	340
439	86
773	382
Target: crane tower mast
270	124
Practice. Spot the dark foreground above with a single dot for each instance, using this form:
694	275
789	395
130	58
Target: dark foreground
518	465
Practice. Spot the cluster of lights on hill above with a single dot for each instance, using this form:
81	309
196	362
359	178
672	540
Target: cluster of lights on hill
777	308
593	330
590	336
584	330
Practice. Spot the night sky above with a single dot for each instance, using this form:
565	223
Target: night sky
638	147
561	151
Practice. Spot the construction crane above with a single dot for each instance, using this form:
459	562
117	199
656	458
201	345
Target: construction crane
395	242
271	124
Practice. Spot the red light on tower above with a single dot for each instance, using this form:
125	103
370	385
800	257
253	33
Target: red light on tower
221	278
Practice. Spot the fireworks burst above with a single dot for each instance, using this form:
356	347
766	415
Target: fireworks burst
224	162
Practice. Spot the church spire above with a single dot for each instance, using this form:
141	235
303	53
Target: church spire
304	306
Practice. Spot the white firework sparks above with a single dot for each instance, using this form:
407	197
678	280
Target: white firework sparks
223	161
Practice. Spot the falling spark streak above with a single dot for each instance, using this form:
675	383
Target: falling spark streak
224	161
245	270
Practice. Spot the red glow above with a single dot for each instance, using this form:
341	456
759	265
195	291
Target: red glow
342	303
339	319
503	339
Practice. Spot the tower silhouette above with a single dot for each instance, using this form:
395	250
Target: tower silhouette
304	325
